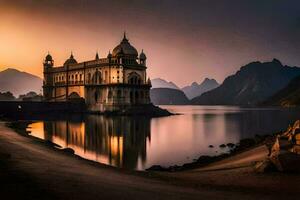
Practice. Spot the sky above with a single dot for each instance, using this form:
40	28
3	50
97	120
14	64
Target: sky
185	41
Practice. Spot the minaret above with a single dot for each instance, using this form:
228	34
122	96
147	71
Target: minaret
48	77
143	58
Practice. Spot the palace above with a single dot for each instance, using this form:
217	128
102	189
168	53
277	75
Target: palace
114	83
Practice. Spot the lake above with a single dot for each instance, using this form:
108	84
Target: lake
139	142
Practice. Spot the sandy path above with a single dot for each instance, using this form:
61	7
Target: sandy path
241	160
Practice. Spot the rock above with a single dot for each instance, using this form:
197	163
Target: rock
295	149
264	166
222	146
296	139
69	150
211	146
156	168
286	161
205	159
230	145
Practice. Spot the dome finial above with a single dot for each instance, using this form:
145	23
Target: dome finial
72	55
125	37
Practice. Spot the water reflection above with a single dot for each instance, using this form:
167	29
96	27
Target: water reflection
138	143
117	141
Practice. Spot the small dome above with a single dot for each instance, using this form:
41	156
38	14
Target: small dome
143	55
71	60
48	57
125	48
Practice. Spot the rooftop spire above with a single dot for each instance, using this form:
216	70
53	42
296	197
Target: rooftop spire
72	55
124	37
109	55
97	55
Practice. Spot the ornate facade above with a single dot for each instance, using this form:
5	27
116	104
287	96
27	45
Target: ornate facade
113	83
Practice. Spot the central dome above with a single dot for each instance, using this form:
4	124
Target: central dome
125	48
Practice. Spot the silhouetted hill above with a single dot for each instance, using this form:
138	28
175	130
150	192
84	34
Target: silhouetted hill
288	96
18	82
196	89
7	96
168	96
253	83
161	83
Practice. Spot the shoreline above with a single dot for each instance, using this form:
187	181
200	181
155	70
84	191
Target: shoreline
244	145
67	176
204	160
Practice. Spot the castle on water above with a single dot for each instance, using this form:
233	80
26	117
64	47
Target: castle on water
116	82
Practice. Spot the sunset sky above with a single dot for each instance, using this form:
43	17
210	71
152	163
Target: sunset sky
184	41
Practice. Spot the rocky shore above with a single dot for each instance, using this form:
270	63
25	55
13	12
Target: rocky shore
284	153
234	149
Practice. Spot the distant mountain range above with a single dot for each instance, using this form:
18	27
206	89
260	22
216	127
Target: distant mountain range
252	84
168	96
18	82
161	83
289	96
196	89
267	82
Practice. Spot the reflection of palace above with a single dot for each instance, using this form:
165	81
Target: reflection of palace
118	141
106	84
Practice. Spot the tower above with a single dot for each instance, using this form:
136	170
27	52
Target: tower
143	58
48	62
48	77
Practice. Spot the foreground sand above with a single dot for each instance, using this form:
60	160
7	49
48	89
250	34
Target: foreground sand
29	169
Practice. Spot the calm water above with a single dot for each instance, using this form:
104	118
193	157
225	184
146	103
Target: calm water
139	143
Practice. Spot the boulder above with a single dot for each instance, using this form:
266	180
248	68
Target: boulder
286	161
264	166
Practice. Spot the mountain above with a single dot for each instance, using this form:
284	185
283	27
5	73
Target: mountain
288	96
196	89
253	83
161	83
18	82
168	96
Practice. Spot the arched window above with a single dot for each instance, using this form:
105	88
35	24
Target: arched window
106	77
109	94
134	78
131	97
96	96
97	79
119	93
136	96
89	78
